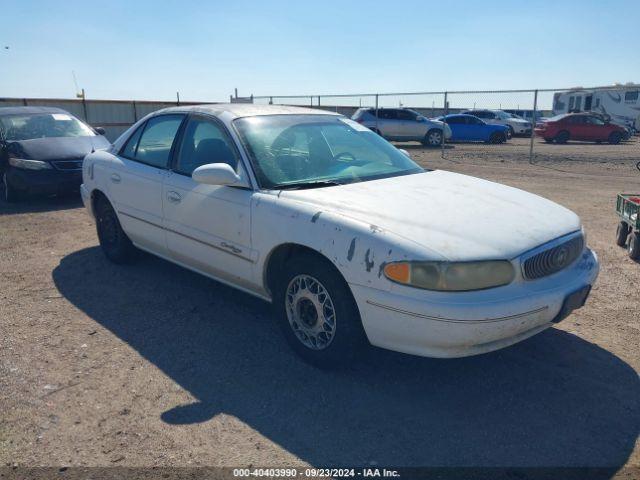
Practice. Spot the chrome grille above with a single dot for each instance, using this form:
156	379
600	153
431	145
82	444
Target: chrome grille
68	164
554	259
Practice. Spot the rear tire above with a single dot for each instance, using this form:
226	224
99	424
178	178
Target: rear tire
317	312
562	137
615	138
622	232
10	193
634	246
548	140
433	138
114	242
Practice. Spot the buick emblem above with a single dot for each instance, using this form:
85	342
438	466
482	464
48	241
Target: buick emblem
560	256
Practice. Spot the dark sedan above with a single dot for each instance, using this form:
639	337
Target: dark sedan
42	150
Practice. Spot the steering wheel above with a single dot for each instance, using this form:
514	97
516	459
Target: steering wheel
350	156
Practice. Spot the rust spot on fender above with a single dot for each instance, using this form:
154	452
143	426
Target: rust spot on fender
352	249
368	262
381	269
315	218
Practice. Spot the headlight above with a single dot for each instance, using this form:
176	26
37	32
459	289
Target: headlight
29	164
451	276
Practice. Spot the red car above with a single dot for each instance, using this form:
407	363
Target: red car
579	126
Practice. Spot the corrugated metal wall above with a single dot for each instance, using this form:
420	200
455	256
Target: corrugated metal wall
115	116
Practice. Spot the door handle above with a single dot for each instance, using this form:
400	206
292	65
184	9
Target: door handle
174	197
115	178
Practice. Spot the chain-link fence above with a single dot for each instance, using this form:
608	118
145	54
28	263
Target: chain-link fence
500	126
503	122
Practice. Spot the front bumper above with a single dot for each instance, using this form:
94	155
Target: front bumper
522	130
49	181
460	324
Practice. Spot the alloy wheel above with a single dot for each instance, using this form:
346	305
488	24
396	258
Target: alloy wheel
434	138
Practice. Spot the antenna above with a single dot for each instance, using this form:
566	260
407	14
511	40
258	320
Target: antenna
79	93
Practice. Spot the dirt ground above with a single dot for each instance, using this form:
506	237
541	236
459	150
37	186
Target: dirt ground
149	364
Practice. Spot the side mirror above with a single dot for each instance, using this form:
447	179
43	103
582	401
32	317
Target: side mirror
404	152
100	131
217	174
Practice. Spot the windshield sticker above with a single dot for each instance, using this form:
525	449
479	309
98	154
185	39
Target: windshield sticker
355	125
61	116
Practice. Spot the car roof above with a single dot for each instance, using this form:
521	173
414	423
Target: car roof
30	110
237	110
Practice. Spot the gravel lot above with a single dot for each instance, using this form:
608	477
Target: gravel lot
150	364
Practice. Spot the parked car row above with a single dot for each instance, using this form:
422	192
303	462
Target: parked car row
405	124
489	126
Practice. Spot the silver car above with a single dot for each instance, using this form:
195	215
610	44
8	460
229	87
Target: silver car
403	124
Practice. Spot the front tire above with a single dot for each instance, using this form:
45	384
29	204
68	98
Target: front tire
562	137
317	312
114	242
497	137
622	232
615	138
433	138
634	246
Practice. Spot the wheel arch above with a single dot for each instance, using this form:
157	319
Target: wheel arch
281	254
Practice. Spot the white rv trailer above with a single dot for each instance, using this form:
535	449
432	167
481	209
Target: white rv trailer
620	102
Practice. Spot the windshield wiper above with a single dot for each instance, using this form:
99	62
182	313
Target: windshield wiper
306	185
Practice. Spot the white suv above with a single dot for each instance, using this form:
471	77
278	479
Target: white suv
517	125
402	125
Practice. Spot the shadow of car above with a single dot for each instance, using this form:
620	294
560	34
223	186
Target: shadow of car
554	400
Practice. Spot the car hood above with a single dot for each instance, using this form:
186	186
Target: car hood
57	148
460	217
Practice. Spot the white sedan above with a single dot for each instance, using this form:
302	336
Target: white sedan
350	239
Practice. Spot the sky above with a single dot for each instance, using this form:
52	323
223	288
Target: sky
149	50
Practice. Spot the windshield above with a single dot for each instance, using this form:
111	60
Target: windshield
503	115
27	127
289	150
557	118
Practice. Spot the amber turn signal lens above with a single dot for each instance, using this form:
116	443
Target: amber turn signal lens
399	272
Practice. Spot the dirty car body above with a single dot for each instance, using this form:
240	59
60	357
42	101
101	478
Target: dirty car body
318	212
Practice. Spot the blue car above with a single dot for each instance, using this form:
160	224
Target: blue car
467	128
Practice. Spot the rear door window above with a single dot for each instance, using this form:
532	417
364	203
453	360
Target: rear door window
388	114
152	143
406	115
